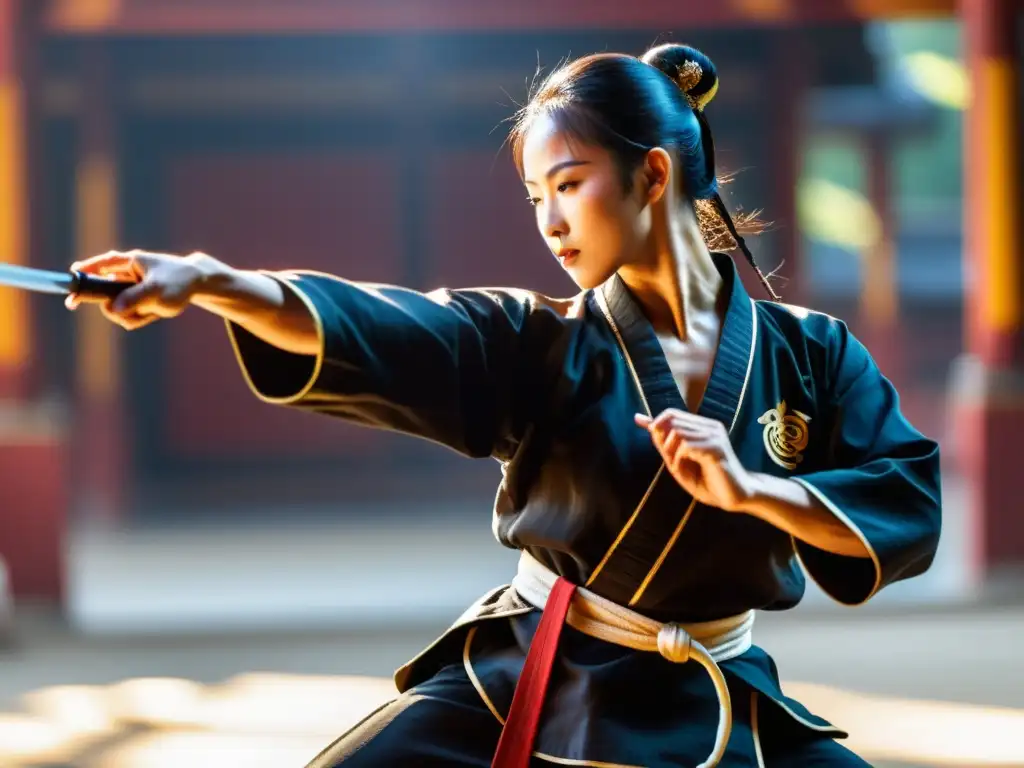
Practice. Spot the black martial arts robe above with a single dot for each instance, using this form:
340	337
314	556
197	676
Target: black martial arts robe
549	389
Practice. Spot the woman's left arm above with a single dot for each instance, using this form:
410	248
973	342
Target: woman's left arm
882	483
871	518
791	507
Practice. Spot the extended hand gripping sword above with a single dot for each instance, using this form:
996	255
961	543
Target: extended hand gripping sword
60	283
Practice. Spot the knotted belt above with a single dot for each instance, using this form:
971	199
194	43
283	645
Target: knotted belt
563	603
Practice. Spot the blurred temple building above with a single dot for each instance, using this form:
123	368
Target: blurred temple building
364	138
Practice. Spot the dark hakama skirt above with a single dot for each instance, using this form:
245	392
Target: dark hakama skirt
606	706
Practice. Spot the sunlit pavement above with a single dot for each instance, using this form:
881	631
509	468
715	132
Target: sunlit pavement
936	687
942	689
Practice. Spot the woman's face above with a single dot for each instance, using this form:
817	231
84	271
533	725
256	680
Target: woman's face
590	222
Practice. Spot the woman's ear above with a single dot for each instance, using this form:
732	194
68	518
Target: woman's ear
657	173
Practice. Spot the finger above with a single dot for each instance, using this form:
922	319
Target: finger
686	449
642	420
696	421
148	299
141	321
677	424
687	454
128	271
129	320
664	418
135	322
690	424
686	471
110	259
109	265
661	434
130	298
75	300
169	300
662	426
161	306
672	436
118	318
670	445
700	449
693	431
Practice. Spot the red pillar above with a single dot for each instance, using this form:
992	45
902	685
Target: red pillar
988	388
789	89
101	455
33	487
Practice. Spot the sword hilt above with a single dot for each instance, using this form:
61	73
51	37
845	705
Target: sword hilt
92	287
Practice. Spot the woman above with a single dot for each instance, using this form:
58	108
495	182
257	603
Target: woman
672	451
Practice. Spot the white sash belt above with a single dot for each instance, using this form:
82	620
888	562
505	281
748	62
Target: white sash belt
706	642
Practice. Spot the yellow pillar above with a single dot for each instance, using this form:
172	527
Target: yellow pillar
15	317
101	454
879	305
992	171
879	313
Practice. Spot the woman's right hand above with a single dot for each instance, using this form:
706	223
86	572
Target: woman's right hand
165	284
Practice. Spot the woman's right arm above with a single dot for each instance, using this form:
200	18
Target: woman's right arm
466	369
262	306
168	284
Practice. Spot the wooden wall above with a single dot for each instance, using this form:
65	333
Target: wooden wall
375	158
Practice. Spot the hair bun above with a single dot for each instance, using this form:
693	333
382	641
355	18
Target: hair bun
692	71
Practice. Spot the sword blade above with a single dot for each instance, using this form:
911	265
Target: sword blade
37	280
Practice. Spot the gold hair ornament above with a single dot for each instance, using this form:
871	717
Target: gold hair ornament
690	74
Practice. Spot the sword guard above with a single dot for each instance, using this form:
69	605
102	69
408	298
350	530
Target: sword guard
92	287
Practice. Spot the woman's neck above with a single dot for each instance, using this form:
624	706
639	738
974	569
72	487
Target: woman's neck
678	285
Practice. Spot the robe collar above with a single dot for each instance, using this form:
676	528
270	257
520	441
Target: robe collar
643	352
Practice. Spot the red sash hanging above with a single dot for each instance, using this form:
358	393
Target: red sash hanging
520	732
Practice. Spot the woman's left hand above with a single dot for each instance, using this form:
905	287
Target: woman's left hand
698	454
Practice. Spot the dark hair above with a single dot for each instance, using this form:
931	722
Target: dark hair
629	106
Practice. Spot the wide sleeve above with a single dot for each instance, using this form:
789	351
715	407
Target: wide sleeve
459	368
883	481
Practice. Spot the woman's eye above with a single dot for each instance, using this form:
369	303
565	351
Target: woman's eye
562	188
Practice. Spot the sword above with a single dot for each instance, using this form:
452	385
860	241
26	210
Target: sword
60	283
